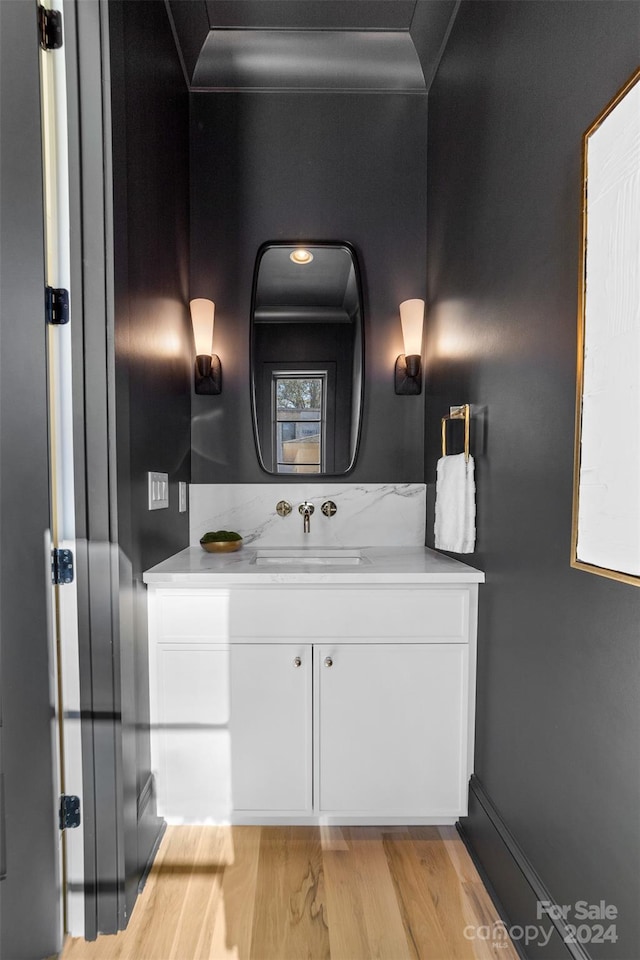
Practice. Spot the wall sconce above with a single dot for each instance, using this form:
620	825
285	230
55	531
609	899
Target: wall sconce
208	371
408	374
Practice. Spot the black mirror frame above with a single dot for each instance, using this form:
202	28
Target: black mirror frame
307	478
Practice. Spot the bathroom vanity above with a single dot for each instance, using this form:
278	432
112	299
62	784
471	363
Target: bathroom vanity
333	686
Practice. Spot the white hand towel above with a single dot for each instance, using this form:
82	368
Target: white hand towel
455	526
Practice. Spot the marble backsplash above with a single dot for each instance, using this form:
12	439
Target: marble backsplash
368	514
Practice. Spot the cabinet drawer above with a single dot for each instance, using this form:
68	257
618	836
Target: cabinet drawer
280	612
193	614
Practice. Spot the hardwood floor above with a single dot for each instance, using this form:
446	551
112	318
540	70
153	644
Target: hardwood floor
301	893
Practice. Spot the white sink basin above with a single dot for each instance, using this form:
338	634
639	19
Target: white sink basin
324	556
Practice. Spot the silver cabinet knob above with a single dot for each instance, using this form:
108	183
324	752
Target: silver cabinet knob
297	662
328	662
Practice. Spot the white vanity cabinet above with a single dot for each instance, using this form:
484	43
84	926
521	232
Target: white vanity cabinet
300	703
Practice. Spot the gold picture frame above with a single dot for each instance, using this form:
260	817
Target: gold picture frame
605	536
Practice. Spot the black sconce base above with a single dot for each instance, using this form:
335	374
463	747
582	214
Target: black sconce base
407	382
208	375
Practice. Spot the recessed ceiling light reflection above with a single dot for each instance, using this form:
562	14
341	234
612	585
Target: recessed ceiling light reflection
301	256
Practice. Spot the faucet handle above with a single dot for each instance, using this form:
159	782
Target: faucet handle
329	508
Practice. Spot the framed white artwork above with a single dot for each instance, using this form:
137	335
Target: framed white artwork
606	500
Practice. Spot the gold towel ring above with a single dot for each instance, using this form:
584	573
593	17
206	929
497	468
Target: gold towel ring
462	412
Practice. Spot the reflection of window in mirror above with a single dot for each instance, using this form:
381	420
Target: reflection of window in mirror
300	422
299	403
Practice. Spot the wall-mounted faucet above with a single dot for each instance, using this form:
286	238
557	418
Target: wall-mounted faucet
306	509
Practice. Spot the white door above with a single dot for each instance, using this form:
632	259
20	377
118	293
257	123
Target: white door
63	600
392	728
271	716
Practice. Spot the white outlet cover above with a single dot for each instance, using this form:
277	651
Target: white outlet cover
158	491
182	497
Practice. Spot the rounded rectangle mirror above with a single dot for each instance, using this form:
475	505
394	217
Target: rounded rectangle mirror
307	358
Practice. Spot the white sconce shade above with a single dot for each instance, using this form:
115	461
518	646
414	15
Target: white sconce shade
408	375
208	369
202	318
411	318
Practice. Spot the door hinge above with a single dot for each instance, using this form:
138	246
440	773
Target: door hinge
56	305
69	812
61	566
50	24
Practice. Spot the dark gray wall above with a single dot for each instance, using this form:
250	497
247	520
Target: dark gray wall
153	360
308	166
557	728
28	899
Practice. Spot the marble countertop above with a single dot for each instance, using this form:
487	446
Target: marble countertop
395	565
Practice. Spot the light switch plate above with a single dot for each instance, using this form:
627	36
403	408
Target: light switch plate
158	491
182	496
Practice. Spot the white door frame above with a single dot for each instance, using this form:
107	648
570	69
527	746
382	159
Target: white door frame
64	599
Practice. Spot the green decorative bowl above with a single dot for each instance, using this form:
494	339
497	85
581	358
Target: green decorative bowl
221	541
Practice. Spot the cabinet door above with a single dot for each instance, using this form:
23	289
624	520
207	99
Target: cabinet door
271	715
392	724
190	731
